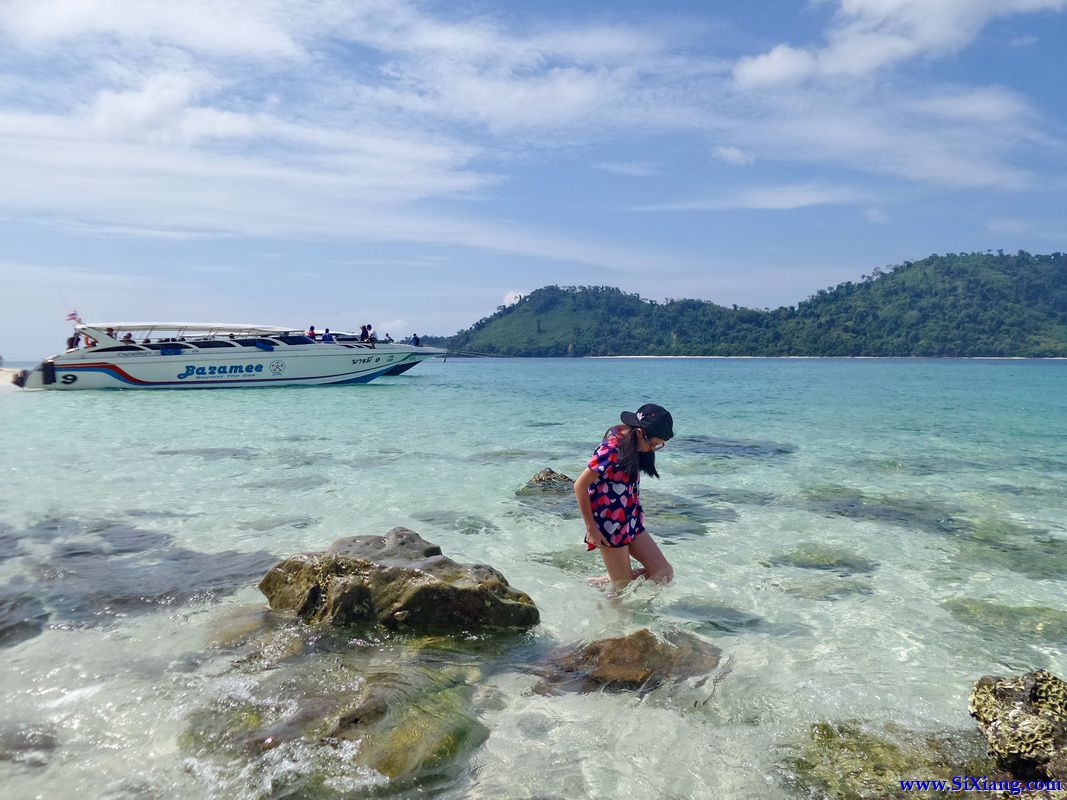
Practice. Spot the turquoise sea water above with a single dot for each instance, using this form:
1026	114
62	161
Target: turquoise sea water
853	534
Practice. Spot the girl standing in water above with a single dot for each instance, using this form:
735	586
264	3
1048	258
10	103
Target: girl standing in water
609	496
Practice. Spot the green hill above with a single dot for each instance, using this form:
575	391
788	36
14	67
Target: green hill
976	304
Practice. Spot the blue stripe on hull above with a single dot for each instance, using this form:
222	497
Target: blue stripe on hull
228	384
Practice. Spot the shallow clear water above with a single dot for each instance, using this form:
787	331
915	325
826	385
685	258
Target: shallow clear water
931	482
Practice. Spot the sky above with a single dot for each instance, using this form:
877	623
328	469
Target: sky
417	164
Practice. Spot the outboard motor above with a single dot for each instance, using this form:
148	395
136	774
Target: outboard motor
19	378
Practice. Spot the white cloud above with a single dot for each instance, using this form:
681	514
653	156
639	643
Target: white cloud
870	34
783	64
734	155
637	169
769	198
223	27
1023	41
984	104
512	297
875	215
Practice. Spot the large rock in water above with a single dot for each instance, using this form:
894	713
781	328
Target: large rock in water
639	661
1025	721
396	580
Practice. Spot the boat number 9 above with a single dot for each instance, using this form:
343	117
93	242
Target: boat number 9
68	379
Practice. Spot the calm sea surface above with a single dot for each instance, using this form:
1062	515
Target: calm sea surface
863	539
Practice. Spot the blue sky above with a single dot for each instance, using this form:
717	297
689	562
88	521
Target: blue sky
414	165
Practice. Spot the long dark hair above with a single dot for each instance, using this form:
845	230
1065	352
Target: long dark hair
632	460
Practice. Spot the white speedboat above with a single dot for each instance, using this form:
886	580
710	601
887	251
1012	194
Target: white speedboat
181	355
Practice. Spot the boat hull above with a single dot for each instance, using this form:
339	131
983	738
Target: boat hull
337	365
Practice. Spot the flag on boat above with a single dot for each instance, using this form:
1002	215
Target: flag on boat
73	317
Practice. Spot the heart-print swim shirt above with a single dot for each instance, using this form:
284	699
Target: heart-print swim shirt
615	498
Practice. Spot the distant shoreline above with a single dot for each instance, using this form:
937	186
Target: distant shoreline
865	358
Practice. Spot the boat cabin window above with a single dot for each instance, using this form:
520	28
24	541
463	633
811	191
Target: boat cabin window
295	339
168	346
214	343
255	342
125	348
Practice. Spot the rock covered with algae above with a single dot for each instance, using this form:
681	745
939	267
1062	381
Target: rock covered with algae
549	492
640	661
409	722
850	761
1024	719
547	480
399	581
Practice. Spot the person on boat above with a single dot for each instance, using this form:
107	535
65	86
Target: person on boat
311	332
327	337
608	494
110	332
363	335
388	338
128	338
371	335
415	340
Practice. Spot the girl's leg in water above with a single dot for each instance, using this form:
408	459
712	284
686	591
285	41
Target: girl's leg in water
645	550
617	560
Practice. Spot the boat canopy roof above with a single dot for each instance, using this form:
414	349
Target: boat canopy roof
183	327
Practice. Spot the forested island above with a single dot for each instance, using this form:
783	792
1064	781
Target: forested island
973	304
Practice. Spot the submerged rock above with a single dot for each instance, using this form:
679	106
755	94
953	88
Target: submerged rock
469	524
907	512
741	497
731	448
1031	622
343	714
811	555
28	745
22	616
86	585
671	516
396	580
403	734
723	619
1024	719
640	661
827	589
10	544
573	560
844	761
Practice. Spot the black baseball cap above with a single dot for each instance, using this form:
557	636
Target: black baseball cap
655	421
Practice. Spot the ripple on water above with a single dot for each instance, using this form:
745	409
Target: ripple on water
211	453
